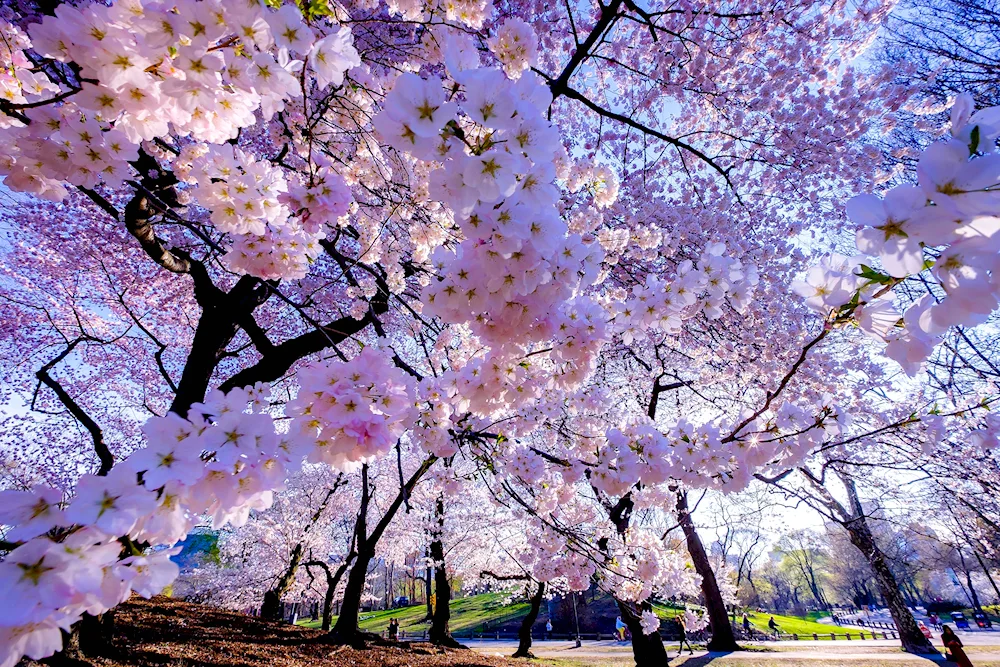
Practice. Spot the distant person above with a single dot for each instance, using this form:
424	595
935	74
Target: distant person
772	625
684	639
393	629
956	653
746	624
620	629
548	628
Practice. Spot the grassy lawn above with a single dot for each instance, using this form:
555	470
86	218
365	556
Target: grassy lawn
466	614
667	610
789	624
469	613
816	615
786	624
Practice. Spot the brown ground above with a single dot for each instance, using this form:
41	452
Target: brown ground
169	633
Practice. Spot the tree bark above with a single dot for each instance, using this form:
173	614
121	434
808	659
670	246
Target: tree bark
910	635
332	580
647	650
524	633
219	321
723	638
346	629
860	534
271	609
439	633
90	637
96	633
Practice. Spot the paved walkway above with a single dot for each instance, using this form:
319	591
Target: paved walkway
841	651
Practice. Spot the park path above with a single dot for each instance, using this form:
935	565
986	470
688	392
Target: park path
878	651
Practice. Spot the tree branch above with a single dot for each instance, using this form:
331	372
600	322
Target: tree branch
100	447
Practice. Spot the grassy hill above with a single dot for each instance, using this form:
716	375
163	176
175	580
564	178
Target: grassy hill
487	611
792	625
467	614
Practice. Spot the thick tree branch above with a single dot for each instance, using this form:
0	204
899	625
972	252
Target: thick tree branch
275	363
221	313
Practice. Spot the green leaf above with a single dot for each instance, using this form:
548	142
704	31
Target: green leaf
314	9
868	273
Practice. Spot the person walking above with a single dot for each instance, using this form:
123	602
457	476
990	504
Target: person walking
684	639
393	630
620	629
548	629
746	625
956	652
772	625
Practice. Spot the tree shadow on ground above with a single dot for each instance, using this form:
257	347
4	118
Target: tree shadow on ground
699	660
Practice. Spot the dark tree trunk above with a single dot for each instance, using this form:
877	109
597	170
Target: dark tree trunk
816	591
647	650
910	636
90	637
271	609
332	580
346	629
439	632
328	608
723	638
220	317
96	633
524	633
973	597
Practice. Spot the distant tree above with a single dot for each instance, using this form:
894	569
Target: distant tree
849	574
805	551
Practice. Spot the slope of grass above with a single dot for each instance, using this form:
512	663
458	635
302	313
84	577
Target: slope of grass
467	614
816	615
789	624
470	614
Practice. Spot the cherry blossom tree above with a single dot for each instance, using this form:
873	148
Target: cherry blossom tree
557	244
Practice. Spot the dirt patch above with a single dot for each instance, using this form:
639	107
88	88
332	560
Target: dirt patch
169	633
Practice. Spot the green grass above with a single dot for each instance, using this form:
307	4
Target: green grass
791	625
667	610
466	614
470	613
816	615
786	624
